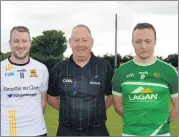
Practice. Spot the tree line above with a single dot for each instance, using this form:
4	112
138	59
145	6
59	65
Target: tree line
49	48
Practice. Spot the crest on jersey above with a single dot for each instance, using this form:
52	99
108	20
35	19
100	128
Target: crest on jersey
33	73
156	75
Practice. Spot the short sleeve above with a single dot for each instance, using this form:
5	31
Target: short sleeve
116	84
53	81
108	85
173	82
44	84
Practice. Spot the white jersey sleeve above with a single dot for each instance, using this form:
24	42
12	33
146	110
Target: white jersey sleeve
44	84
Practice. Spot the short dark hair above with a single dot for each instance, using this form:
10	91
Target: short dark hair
82	25
145	26
20	29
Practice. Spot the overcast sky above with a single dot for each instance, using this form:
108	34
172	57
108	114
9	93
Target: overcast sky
99	16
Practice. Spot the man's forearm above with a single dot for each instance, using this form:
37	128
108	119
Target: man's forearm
174	113
55	105
43	104
55	102
119	111
108	101
174	110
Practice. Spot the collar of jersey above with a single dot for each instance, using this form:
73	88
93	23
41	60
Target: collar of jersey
145	64
90	61
18	64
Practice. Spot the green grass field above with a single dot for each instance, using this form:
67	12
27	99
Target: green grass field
114	122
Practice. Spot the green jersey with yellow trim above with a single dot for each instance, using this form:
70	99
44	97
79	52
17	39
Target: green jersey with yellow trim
146	91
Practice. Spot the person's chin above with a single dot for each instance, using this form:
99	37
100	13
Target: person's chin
21	56
144	57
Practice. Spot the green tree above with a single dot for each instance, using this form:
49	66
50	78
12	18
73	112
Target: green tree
51	44
49	47
173	59
127	58
4	56
110	59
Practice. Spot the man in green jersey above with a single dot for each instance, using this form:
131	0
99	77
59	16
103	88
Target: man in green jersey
143	87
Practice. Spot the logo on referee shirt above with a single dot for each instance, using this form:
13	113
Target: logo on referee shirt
67	81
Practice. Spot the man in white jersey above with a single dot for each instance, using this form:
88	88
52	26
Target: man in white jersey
24	82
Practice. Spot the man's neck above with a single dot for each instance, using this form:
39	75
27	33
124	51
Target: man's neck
18	61
81	63
147	61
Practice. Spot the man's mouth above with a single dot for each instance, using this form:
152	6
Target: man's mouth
80	50
20	50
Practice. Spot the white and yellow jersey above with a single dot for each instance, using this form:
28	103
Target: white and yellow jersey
21	87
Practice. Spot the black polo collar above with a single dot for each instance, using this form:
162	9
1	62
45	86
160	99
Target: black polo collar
92	59
19	64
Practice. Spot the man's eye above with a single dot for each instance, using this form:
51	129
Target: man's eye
138	42
24	41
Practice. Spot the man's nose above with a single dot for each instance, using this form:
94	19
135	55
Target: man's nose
20	44
143	45
81	43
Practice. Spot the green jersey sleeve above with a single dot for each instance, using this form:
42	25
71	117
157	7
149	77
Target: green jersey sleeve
116	84
173	82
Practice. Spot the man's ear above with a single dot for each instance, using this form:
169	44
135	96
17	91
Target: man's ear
69	41
155	41
10	43
92	41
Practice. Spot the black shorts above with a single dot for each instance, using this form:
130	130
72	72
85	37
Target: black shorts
97	131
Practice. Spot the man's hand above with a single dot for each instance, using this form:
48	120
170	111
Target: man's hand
43	100
173	114
108	101
54	101
118	104
174	110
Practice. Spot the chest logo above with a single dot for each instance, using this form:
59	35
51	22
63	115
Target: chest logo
33	73
143	74
156	75
143	94
130	75
67	81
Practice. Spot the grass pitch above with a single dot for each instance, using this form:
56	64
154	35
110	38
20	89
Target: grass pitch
114	122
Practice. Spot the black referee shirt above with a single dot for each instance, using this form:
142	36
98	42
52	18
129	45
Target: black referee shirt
82	91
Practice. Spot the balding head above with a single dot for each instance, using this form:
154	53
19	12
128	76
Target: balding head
81	42
82	26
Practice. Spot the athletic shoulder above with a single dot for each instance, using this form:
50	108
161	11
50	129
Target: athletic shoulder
168	68
4	62
38	64
60	65
125	67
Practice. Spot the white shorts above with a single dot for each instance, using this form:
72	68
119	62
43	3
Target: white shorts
168	134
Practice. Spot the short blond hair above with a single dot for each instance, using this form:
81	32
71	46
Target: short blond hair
20	29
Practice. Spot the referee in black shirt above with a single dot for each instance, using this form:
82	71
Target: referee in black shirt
80	88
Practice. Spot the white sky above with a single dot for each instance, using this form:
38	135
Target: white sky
99	16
